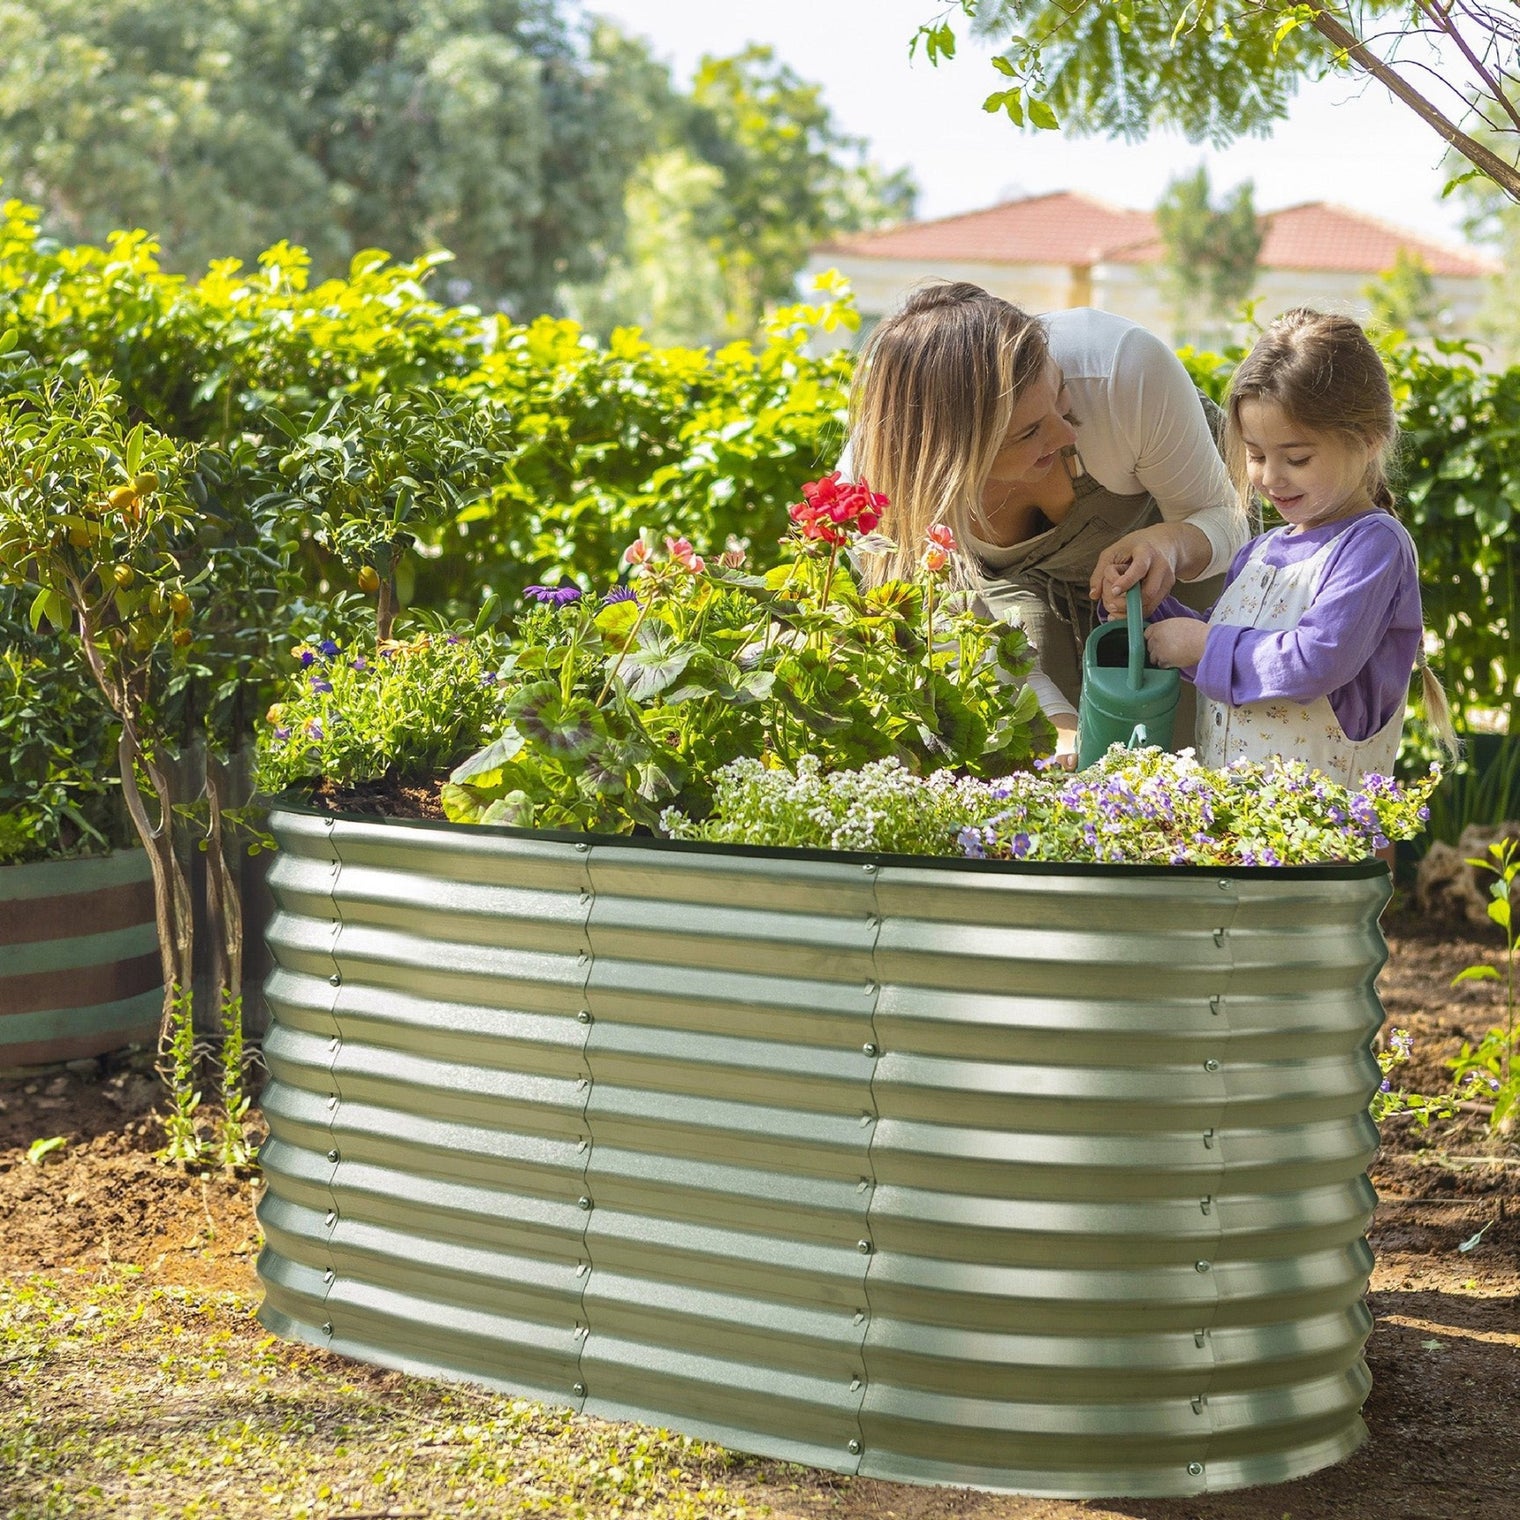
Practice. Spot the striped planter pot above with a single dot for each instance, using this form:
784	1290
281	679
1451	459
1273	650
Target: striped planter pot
1040	1178
79	965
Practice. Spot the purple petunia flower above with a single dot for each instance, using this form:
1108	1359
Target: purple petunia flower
970	841
554	596
1019	845
328	648
1385	1085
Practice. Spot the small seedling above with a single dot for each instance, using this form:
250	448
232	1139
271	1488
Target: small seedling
39	1150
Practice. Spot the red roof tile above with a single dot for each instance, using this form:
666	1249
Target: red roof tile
1067	228
1061	228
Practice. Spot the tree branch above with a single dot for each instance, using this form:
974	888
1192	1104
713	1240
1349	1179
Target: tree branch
1442	17
1503	174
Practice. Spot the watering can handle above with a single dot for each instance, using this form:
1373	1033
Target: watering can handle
1136	638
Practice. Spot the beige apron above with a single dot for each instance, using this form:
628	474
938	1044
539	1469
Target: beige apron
1262	596
1045	587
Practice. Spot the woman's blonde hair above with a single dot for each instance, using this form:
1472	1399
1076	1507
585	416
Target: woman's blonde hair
931	405
1324	373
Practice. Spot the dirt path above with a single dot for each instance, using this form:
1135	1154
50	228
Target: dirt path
135	1380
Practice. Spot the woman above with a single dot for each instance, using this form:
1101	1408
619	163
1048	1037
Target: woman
1070	455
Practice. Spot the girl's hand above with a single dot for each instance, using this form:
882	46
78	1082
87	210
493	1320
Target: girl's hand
1176	642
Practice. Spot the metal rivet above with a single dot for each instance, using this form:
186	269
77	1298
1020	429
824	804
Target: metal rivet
1211	1064
582	1083
580	1388
869	988
1195	1469
581	1269
855	1448
582	846
328	1275
332	1217
855	1385
333	1155
1224	886
863	1246
336	979
869	868
327	1327
584	1015
869	1048
585	1203
1200	1266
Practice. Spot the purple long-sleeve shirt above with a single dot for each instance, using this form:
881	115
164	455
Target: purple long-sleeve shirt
1358	638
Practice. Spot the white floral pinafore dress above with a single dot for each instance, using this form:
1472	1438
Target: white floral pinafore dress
1264	596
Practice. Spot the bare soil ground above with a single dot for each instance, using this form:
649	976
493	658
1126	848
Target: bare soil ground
135	1380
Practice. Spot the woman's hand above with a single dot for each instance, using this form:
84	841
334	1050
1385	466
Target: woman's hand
1154	559
1175	642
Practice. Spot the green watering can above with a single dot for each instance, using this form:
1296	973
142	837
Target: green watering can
1124	701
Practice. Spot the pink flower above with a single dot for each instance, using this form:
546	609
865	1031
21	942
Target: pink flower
637	553
830	506
681	551
941	546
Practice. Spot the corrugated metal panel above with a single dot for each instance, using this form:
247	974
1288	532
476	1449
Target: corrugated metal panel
79	966
1050	1180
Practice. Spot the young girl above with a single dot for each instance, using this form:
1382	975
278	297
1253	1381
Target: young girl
1309	650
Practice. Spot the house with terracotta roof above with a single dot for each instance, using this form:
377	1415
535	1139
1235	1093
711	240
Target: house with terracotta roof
1045	252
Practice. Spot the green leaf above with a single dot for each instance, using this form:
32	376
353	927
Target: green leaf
655	662
39	1150
1003	66
493	757
1499	912
1043	117
1476	974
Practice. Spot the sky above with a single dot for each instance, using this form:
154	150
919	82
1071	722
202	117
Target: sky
1346	142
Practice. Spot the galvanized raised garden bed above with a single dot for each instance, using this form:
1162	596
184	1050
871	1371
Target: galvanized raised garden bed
1026	1177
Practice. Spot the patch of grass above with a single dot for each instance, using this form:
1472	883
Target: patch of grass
126	1399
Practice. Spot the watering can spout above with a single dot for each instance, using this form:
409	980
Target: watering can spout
1124	700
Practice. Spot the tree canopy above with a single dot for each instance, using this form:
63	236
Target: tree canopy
492	128
1217	69
1211	253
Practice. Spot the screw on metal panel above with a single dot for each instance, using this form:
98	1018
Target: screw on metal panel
1200	1266
332	1100
855	1385
867	1118
336	979
864	1185
580	1330
1207	1204
584	1015
869	868
869	988
333	1155
329	1275
860	1316
868	1048
582	1083
863	1246
1208	1139
1211	1064
333	1043
1219	936
1216	1004
1198	1338
582	1146
582	846
1224	885
855	1448
327	1327
332	1217
582	959
1195	1469
580	1388
585	897
582	1268
585	1203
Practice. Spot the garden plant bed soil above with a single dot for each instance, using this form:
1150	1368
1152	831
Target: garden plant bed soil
137	1381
